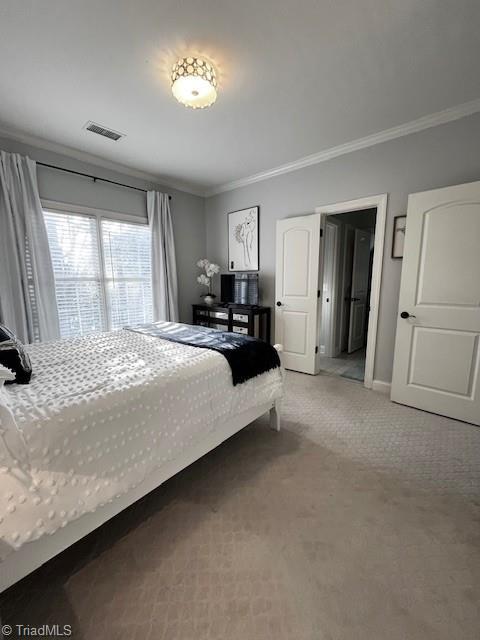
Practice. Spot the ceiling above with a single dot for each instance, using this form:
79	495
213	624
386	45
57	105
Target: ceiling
296	77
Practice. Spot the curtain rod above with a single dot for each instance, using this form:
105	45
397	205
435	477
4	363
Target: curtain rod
94	178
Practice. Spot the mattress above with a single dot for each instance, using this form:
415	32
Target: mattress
100	414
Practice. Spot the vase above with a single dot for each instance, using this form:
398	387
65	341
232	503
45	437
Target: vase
209	299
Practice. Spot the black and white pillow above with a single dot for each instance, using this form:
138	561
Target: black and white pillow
14	357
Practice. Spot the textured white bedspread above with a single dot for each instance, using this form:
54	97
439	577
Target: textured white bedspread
99	415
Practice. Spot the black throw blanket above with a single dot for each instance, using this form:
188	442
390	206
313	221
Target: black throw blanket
248	357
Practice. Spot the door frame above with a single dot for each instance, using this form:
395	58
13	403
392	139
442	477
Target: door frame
330	332
358	205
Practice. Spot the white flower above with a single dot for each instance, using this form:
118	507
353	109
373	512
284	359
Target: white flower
202	279
212	269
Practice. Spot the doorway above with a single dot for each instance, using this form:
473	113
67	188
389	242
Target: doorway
349	240
299	259
354	208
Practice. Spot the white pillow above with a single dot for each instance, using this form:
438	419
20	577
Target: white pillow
5	374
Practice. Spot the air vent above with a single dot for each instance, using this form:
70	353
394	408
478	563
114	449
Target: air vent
103	131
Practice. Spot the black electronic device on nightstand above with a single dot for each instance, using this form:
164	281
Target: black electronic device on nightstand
239	288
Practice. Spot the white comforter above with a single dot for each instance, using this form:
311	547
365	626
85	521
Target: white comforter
100	413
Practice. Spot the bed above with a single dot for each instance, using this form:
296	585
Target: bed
106	419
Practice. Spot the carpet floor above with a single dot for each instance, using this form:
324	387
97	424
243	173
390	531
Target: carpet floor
360	520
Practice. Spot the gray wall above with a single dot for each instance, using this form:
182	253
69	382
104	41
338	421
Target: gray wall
445	155
188	212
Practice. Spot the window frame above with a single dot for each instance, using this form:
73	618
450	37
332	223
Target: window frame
99	214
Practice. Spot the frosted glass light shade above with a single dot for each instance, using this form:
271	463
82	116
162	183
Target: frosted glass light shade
194	82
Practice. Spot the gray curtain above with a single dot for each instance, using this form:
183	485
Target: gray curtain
164	268
27	288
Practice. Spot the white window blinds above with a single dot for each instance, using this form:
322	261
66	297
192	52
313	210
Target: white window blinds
102	272
127	256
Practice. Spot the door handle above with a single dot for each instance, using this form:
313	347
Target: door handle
354	299
279	304
406	315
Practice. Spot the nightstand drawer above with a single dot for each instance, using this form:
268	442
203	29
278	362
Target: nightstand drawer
243	330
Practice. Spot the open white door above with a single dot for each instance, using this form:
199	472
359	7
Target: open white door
437	352
358	300
296	290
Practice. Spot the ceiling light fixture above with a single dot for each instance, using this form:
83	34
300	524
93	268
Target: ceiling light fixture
194	82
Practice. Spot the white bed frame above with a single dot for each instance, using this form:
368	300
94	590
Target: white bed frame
33	554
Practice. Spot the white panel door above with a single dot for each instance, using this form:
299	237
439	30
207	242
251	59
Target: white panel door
359	298
296	287
436	365
329	286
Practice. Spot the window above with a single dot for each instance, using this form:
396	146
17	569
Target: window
102	271
128	276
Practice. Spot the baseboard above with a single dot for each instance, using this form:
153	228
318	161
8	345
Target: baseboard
381	386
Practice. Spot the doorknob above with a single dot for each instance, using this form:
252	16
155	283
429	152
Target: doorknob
279	304
354	299
406	315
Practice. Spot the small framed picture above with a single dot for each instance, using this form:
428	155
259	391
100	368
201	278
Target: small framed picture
398	241
243	240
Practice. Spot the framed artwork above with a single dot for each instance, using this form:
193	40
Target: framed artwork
243	240
399	225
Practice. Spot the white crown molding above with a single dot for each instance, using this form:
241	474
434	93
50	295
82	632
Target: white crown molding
414	126
84	156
